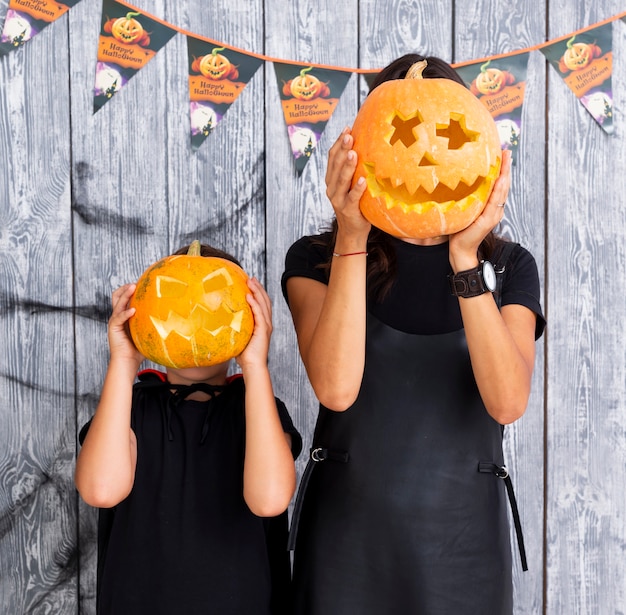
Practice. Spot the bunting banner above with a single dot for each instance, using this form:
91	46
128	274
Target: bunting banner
585	61
500	84
26	18
128	41
217	76
309	93
309	96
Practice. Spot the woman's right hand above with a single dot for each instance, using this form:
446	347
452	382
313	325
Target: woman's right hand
120	342
344	197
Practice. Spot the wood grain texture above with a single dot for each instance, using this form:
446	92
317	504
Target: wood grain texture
586	462
38	546
88	201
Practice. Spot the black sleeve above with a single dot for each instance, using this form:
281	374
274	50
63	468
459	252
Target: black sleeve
82	434
304	259
521	285
288	427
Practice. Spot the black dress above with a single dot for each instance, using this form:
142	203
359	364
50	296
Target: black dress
184	540
398	517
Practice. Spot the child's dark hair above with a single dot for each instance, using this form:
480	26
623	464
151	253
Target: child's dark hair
206	250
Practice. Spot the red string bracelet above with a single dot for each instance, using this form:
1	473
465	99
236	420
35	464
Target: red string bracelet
349	253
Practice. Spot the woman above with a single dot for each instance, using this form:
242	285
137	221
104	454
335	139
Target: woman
404	511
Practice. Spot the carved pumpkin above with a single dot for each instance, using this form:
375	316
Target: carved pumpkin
491	80
191	311
430	153
578	55
127	29
217	66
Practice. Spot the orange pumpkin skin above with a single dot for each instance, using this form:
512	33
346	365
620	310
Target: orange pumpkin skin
127	29
191	311
430	153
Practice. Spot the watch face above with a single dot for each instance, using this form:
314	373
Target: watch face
489	276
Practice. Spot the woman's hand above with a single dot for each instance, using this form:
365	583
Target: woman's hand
258	347
342	161
120	342
464	244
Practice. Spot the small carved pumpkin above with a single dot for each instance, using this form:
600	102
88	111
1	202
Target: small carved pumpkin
491	80
430	153
127	29
578	55
191	311
217	66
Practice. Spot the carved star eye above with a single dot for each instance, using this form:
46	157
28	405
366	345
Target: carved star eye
404	129
456	132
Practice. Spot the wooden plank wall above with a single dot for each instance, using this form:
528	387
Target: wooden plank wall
88	201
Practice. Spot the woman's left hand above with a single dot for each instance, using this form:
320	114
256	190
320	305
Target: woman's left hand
464	244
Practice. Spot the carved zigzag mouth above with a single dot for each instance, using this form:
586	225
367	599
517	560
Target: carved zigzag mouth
400	193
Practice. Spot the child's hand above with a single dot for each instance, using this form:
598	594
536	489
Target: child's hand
255	353
120	342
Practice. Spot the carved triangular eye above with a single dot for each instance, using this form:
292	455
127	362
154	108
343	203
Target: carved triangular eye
456	132
404	129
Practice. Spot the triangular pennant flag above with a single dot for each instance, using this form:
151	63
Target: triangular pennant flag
25	18
369	78
500	84
217	75
585	61
128	41
309	96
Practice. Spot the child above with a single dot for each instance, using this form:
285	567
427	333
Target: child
193	472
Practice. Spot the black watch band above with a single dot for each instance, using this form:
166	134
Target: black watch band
473	282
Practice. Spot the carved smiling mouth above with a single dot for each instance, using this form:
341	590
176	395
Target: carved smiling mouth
421	199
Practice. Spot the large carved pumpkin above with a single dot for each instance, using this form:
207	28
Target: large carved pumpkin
191	311
430	153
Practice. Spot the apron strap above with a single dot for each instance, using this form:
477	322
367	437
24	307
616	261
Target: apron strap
503	473
317	455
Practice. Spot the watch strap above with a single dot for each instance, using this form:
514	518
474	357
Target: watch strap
468	283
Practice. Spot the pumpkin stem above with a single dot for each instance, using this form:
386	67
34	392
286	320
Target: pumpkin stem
304	71
194	248
415	72
131	15
217	50
483	68
571	42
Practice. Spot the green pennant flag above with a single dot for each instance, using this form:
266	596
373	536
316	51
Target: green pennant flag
585	62
128	41
26	18
309	96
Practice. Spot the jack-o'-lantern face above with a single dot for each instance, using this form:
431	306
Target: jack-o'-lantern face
191	311
305	86
430	154
216	66
490	81
577	56
127	29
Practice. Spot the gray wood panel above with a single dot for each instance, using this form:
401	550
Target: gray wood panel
38	567
88	201
586	363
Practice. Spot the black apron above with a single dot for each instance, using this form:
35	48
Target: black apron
404	513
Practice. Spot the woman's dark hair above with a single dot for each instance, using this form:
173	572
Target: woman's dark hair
206	250
381	263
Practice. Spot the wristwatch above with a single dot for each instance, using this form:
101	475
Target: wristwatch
473	282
